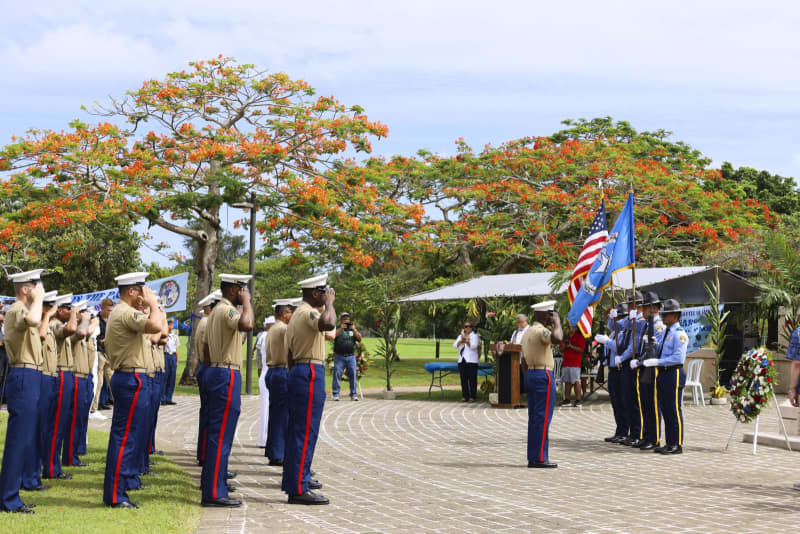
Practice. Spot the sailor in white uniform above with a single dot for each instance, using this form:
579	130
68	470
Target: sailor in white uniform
261	346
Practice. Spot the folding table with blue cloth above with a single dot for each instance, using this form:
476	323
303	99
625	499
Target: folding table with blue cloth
439	370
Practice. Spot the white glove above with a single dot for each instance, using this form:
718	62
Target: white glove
613	313
651	362
602	338
634	364
617	360
644	339
632	315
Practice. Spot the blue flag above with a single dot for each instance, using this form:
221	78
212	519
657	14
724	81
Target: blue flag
618	254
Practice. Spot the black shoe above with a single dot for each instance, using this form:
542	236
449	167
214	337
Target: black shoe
647	446
158	452
577	403
542	465
104	407
40	487
564	402
672	449
138	488
659	449
613	439
126	504
162	403
61	476
230	474
314	484
80	464
308	497
24	509
225	502
275	462
170	403
231	489
636	443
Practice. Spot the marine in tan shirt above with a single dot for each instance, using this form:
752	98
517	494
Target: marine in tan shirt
23	344
303	337
537	347
277	353
224	340
127	345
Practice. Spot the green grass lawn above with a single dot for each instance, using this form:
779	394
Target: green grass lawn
408	371
170	503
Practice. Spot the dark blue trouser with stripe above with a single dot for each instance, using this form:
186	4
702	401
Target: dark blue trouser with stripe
306	393
144	437
155	403
630	384
224	396
61	420
23	389
648	402
170	375
670	394
615	392
85	415
202	421
48	402
76	434
541	387
277	381
129	422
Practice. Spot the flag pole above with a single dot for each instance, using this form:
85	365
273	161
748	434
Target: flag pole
633	267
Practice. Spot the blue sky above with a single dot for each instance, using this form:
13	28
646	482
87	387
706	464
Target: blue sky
723	76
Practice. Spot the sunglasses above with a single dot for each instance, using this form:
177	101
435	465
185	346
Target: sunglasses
467	326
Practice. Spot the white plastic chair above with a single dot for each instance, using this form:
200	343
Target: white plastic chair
693	380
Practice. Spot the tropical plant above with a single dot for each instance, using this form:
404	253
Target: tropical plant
716	337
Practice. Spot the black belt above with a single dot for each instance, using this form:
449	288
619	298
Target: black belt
671	367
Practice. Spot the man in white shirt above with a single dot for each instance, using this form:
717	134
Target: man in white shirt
261	346
467	345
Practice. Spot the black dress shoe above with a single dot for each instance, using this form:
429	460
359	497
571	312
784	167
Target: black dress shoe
224	502
62	476
126	504
163	403
647	446
314	484
672	449
80	464
230	474
542	465
308	497
24	509
612	439
636	443
40	487
138	488
170	403
103	407
275	462
626	441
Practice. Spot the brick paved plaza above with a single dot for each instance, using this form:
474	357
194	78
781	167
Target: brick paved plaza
411	466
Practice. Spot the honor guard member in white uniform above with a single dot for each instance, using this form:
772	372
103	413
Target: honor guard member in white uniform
198	340
670	356
126	348
305	345
63	324
23	388
537	352
223	384
615	377
261	347
47	398
276	381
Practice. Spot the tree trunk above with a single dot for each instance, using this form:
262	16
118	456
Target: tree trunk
204	264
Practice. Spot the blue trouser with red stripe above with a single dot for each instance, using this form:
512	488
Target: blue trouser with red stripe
23	389
671	382
202	422
77	427
48	402
144	436
129	422
306	393
541	387
170	374
155	403
60	419
85	415
224	396
277	381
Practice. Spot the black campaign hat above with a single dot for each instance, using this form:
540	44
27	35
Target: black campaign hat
622	308
671	306
651	297
638	296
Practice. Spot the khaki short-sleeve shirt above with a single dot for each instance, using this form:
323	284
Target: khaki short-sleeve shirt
80	354
149	355
277	355
200	338
23	344
63	345
537	346
125	342
224	338
158	356
91	349
49	352
303	336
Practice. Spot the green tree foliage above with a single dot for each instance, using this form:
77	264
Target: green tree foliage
781	194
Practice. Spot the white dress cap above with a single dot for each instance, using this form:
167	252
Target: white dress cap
269	320
316	282
50	297
64	300
80	305
297	301
238	279
28	276
131	279
547	305
216	295
282	302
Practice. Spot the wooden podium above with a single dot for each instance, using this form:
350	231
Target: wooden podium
508	377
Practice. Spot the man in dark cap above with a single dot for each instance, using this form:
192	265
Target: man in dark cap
616	391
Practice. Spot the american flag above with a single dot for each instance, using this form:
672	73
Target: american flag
598	233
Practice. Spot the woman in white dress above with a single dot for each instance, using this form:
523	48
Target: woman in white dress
261	346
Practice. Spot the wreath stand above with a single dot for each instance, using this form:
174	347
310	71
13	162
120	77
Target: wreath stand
755	433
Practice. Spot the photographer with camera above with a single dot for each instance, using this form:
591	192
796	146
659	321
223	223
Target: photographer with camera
344	356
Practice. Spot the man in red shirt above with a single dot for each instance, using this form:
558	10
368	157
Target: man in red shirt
571	367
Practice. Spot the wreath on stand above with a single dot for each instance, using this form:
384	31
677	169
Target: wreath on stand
753	380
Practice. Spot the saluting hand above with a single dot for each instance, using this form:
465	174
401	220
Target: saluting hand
149	298
38	292
330	296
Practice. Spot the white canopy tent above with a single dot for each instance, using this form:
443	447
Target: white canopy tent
683	283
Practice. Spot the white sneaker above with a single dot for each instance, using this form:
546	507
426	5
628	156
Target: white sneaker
336	398
354	398
97	416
